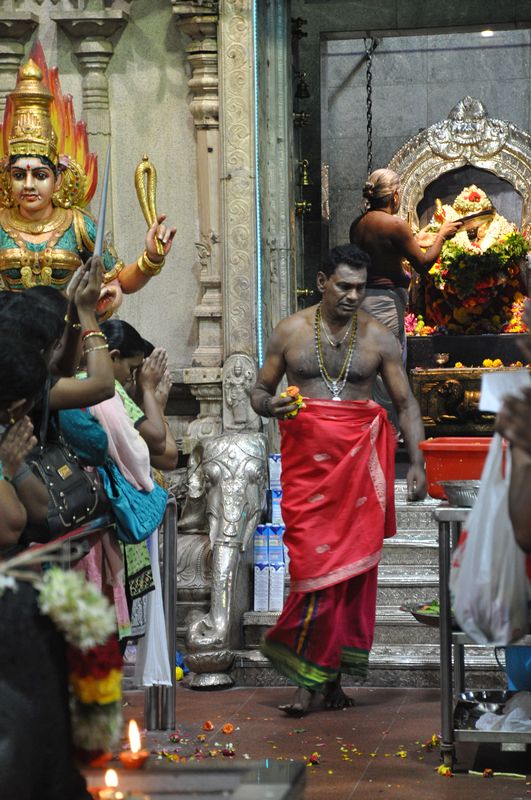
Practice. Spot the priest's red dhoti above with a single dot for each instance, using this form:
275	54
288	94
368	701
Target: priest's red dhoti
337	506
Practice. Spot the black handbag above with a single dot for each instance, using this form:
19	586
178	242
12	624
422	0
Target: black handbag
75	496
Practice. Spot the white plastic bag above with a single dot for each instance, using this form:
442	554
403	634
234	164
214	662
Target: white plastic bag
152	659
488	581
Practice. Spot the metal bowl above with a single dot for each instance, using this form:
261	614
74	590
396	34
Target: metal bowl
483	701
461	493
441	359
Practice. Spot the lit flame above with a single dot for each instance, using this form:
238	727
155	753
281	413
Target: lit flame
134	737
111	779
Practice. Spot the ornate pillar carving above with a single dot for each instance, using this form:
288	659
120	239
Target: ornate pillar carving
15	30
205	385
92	38
199	21
238	176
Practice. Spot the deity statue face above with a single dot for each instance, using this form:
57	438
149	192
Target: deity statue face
33	183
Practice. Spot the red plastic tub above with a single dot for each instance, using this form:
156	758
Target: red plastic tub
453	458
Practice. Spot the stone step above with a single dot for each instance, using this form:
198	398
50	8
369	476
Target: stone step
392	626
415	666
410	549
396	627
403	564
411	516
398	586
401	492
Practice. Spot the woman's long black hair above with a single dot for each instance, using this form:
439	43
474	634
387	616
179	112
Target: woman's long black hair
123	337
23	371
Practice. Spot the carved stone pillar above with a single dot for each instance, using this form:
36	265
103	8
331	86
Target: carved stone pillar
91	36
205	385
238	176
199	21
15	29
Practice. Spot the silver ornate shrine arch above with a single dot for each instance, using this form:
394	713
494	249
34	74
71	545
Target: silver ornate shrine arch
468	137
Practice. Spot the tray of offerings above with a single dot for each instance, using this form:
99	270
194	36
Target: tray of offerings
427	613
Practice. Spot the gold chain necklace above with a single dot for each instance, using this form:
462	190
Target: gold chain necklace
332	342
334	385
35	227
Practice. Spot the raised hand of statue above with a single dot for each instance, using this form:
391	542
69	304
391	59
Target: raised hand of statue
152	370
164	234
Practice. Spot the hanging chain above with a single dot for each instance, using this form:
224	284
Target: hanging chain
370	47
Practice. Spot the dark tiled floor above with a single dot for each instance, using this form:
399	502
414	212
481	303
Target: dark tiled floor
371	751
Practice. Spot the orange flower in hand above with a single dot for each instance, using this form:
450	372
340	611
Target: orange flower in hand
292	391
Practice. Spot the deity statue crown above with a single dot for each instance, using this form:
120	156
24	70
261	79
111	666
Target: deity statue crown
471	199
40	121
31	131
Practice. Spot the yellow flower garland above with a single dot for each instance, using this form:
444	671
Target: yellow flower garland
98	690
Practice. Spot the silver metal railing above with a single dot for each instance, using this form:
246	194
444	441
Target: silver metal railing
159	701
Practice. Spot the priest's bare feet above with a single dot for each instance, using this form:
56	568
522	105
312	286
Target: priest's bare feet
334	696
300	705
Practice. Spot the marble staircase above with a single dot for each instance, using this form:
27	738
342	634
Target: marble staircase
405	652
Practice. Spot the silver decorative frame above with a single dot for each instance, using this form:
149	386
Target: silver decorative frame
467	137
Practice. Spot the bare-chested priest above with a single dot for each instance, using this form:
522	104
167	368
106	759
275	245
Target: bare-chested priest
388	240
337	477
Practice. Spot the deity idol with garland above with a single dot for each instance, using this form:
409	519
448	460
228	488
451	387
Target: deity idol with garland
477	284
47	177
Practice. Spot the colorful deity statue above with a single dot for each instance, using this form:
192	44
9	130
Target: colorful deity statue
47	178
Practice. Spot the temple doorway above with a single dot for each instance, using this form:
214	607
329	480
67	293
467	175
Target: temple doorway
358	121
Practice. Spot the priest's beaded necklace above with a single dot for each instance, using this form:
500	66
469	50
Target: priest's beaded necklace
334	385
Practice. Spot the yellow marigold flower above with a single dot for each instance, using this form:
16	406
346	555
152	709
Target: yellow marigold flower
497	362
98	690
459	365
487	362
444	770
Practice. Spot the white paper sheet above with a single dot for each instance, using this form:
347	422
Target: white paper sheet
495	385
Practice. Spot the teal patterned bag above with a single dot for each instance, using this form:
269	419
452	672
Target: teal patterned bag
137	512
